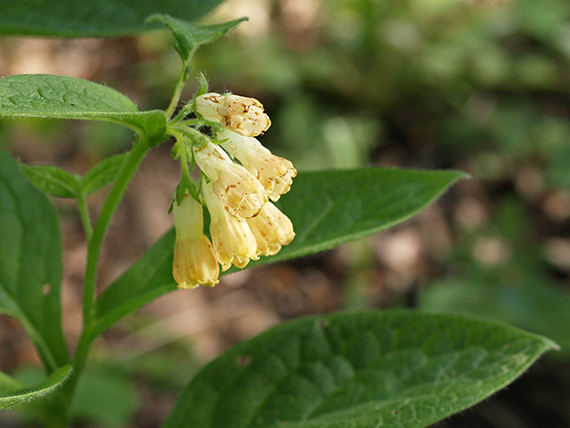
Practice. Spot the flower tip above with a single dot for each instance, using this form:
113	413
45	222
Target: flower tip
191	285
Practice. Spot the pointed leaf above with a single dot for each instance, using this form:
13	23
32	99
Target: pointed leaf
327	208
44	95
148	279
53	180
533	303
189	36
102	174
20	397
330	208
94	18
30	262
373	369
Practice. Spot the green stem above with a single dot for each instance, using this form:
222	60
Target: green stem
94	247
130	166
84	213
177	91
179	86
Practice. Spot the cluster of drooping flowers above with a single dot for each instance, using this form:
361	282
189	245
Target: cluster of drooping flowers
244	224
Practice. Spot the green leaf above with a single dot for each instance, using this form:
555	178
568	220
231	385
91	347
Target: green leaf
8	384
20	397
30	262
102	174
327	208
535	304
189	36
389	369
53	180
330	208
94	18
44	95
148	279
105	398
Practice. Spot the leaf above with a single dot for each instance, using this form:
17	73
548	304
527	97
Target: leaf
330	208
30	262
189	36
535	304
148	279
8	384
53	180
102	174
94	18
105	398
327	208
44	95
54	381
389	369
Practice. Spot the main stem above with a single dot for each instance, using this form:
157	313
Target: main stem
132	162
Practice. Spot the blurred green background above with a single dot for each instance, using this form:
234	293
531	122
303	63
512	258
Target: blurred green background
481	86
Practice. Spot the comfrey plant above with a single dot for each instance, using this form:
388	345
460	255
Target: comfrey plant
358	369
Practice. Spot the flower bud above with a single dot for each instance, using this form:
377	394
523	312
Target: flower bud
232	240
240	193
194	261
272	229
239	114
275	173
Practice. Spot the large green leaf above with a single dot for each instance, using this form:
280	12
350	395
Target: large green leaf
94	18
148	279
373	369
20	397
30	262
327	208
533	303
330	208
44	95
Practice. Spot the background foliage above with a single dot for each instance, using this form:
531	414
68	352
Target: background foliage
480	86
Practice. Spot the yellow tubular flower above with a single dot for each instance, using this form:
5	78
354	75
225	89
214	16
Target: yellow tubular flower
194	261
240	193
274	173
272	229
239	114
232	239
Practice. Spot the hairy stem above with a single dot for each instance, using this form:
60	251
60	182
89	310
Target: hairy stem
130	166
177	91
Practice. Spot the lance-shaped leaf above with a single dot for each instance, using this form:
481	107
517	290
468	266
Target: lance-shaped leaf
44	95
19	397
327	209
389	369
94	18
102	174
53	180
58	182
190	36
30	262
534	303
330	208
